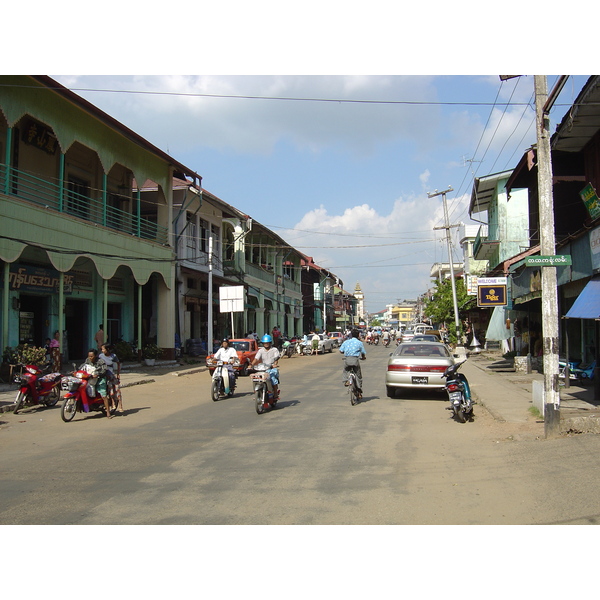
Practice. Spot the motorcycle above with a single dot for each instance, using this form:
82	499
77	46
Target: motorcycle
81	394
386	342
35	388
459	392
263	388
287	348
577	371
222	385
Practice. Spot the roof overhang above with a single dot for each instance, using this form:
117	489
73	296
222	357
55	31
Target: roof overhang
484	189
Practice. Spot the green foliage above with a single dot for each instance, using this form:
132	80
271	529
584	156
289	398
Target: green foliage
123	351
152	351
440	307
24	355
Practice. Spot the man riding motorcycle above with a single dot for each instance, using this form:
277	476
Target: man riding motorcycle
228	355
269	355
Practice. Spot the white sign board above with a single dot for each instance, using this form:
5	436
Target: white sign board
492	281
471	285
231	298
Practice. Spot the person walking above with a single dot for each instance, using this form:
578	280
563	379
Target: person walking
55	352
113	376
315	343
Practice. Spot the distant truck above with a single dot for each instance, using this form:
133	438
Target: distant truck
246	349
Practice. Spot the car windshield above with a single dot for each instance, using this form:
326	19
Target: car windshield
420	350
241	346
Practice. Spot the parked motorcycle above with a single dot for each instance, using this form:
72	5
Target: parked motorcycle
222	385
36	388
263	388
81	394
577	371
459	393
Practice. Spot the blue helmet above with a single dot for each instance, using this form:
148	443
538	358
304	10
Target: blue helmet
266	338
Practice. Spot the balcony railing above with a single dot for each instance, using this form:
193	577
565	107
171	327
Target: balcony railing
45	193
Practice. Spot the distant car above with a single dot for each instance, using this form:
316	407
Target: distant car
325	344
422	337
337	337
246	349
417	365
408	334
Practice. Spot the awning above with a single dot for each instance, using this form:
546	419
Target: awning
587	305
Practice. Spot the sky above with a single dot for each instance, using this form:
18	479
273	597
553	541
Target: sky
341	167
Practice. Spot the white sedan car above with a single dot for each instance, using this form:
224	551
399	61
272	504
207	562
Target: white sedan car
417	365
325	344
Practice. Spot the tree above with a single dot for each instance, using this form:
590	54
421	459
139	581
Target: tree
440	307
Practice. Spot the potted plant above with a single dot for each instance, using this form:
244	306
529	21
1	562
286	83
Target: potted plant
151	353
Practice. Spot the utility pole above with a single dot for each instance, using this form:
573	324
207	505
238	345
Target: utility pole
210	334
447	227
547	248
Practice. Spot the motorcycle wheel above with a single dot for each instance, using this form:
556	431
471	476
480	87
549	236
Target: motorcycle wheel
260	397
53	397
68	409
214	390
19	401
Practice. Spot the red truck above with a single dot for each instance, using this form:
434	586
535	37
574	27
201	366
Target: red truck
246	349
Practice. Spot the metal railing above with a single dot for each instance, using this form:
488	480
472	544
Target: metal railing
26	186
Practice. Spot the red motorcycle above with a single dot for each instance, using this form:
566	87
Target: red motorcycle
81	394
36	389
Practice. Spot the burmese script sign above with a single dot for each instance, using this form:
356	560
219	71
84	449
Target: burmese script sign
561	260
590	199
37	279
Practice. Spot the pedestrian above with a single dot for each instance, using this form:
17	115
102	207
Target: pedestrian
55	352
113	376
99	337
315	343
276	334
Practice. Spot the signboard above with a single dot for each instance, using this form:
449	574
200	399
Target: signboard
561	260
590	199
471	285
37	279
231	298
492	281
491	295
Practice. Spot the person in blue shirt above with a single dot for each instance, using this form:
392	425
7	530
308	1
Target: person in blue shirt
353	351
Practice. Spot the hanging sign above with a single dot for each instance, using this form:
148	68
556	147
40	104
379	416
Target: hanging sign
491	295
590	199
492	280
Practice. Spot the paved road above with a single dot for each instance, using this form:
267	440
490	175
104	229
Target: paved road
176	457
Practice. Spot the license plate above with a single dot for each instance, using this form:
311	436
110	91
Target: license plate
420	380
455	396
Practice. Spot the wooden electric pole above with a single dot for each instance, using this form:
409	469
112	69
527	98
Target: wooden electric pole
547	248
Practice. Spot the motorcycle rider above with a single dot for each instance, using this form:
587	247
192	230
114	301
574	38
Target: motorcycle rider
93	361
228	355
269	355
386	338
353	350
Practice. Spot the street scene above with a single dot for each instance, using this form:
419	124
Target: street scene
175	456
256	310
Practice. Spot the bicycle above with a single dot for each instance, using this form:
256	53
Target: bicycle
352	384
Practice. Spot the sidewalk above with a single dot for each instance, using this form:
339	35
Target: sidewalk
508	395
131	374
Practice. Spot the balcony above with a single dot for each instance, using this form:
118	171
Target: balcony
483	248
36	190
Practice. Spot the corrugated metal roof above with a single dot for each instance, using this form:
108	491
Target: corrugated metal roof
587	305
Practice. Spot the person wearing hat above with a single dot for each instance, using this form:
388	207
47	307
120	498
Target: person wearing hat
228	355
269	355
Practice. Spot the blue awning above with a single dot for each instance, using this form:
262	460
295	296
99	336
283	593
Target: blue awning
587	305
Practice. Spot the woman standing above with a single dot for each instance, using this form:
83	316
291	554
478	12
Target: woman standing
55	352
114	389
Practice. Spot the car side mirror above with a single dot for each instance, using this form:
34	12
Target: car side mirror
456	355
391	353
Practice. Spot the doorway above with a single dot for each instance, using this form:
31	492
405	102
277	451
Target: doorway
77	325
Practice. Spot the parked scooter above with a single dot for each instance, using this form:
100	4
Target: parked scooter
264	398
459	393
36	388
222	384
81	394
577	371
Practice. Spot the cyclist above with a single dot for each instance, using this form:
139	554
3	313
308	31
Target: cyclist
353	351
